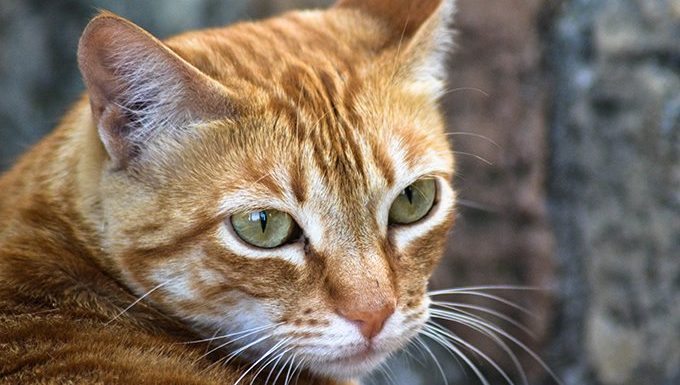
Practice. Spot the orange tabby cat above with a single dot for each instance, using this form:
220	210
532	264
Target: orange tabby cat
241	204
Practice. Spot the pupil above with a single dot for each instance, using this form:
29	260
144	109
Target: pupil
263	220
409	194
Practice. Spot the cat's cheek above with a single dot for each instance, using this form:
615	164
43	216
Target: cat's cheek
237	314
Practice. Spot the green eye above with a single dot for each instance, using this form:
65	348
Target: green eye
266	229
414	202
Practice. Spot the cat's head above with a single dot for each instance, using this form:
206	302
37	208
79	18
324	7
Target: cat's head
284	182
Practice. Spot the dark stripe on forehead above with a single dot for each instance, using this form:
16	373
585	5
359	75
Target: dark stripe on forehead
228	50
323	41
298	182
383	161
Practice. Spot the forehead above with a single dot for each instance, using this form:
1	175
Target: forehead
320	105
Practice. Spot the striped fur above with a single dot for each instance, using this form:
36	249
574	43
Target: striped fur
326	115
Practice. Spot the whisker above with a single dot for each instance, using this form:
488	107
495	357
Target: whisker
288	375
130	306
283	367
444	333
480	158
207	346
488	287
475	135
213	338
299	369
456	305
434	359
278	358
488	296
508	336
411	356
226	344
476	205
455	351
452	90
495	339
263	357
240	350
385	374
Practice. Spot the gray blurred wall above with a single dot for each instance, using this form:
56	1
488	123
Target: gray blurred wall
582	193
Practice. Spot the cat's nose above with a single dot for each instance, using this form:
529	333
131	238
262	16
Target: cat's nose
369	320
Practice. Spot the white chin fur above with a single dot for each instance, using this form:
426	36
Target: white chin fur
349	368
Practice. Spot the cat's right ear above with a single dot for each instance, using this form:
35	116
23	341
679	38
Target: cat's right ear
140	89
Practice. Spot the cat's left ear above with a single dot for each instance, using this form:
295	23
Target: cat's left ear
420	33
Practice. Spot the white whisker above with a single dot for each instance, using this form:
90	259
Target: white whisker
277	359
229	343
240	350
487	287
456	306
283	367
496	339
382	368
485	295
139	299
263	357
501	332
434	359
479	90
474	135
445	333
476	205
456	352
411	356
299	368
290	368
213	338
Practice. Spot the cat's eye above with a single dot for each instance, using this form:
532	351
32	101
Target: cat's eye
414	202
265	228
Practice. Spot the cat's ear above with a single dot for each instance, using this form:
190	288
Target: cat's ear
420	32
139	88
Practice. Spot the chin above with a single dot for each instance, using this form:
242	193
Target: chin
351	366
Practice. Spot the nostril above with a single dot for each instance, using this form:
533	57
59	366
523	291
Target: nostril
370	321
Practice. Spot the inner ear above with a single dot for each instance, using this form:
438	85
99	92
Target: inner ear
139	88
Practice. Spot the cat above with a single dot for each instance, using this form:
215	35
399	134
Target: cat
233	205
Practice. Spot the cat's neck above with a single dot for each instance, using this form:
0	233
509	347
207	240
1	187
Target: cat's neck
50	219
58	181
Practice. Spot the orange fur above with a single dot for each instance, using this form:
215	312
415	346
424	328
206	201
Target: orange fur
321	113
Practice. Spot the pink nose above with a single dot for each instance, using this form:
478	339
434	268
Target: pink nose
369	320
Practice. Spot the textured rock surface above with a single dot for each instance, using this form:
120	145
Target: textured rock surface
615	191
498	94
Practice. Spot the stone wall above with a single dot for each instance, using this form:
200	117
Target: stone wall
615	190
496	109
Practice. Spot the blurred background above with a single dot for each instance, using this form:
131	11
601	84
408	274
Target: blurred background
565	116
